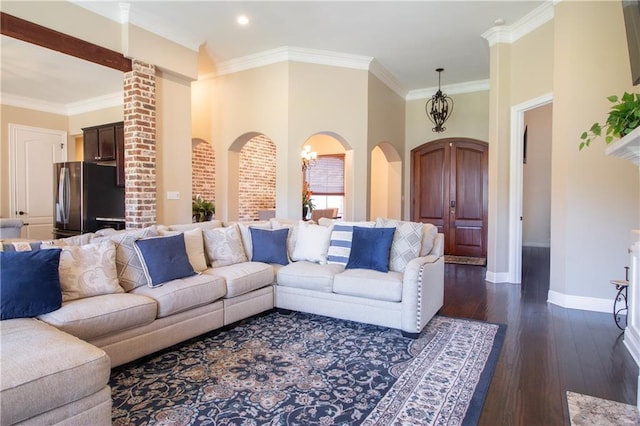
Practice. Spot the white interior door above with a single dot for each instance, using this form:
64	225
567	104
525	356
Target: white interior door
33	152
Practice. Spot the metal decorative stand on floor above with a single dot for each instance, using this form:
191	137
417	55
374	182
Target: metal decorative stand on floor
620	304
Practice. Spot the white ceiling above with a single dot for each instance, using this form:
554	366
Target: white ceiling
409	39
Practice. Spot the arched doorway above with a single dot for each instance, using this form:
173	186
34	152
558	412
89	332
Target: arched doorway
327	182
203	170
386	182
256	177
449	181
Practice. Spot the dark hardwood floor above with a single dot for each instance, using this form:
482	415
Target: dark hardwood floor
547	351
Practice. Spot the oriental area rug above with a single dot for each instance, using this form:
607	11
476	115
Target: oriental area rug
302	369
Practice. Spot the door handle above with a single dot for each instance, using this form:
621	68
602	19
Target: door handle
21	213
452	204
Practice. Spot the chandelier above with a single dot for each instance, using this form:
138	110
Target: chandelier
308	157
439	107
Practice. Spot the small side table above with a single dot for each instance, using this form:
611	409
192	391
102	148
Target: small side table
620	305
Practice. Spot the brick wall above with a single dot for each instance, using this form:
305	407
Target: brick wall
140	145
257	177
203	171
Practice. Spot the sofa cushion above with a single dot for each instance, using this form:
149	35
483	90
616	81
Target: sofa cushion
101	315
36	381
270	245
183	294
243	277
164	259
369	284
407	242
224	246
312	243
209	224
194	242
309	276
29	283
370	248
88	270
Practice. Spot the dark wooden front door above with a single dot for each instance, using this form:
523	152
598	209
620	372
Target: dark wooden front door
449	189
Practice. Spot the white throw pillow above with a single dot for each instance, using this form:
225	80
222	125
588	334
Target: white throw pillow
292	226
224	246
194	242
245	233
88	270
407	241
312	243
429	234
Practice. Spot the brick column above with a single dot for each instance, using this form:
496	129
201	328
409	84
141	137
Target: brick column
140	145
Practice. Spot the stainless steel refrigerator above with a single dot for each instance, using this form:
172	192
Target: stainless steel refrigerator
86	198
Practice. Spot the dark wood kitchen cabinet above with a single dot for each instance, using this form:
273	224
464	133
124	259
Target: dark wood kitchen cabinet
105	143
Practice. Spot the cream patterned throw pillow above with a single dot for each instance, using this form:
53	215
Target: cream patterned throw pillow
406	244
224	246
88	270
130	272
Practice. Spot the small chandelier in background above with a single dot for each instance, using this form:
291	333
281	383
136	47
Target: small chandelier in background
439	107
308	157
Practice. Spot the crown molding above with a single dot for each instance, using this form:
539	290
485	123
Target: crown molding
293	54
451	89
377	69
523	26
93	104
124	15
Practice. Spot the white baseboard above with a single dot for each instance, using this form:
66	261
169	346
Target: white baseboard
632	342
580	302
497	277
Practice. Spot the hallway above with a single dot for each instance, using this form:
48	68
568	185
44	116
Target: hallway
548	350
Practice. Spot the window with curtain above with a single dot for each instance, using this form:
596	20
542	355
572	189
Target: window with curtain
326	180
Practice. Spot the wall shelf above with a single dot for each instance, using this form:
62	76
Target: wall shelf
627	148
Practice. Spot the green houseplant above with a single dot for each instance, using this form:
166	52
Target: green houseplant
624	116
202	209
307	202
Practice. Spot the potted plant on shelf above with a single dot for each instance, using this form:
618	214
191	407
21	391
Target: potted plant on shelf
623	118
307	203
202	209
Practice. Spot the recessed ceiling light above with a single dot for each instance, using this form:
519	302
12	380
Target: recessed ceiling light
243	20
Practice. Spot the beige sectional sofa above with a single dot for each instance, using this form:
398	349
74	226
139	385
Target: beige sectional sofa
62	359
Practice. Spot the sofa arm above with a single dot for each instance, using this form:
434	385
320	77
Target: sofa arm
422	292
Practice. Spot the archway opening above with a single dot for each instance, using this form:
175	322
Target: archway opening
326	176
385	196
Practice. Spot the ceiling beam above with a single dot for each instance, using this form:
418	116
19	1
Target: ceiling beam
60	42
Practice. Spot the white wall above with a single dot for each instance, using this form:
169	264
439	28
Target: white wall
469	119
536	203
594	197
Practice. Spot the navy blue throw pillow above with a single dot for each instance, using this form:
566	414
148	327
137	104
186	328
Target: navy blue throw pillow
164	259
370	248
29	283
270	245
